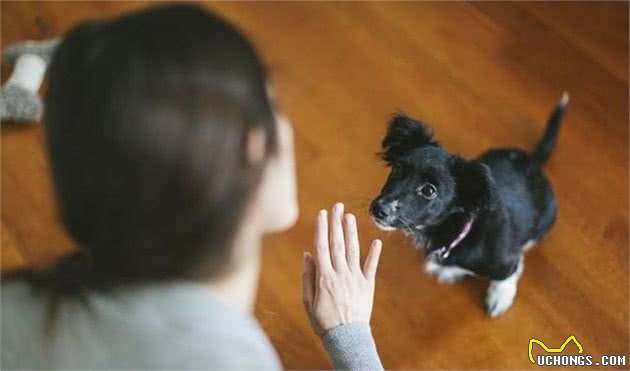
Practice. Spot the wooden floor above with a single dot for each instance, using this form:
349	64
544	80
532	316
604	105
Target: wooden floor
483	75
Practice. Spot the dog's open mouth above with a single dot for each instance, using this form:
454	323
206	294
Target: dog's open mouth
382	226
396	224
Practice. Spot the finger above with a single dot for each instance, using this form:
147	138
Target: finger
371	262
337	244
352	242
321	242
308	281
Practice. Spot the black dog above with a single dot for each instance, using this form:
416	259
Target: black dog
472	217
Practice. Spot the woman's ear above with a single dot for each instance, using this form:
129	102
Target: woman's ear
256	143
475	185
403	135
277	197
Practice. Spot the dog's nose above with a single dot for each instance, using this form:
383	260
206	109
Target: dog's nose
378	210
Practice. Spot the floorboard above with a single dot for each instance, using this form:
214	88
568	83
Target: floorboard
483	74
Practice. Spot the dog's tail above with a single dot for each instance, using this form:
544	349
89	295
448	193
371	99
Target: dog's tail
545	146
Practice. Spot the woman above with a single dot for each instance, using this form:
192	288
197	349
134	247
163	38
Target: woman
169	164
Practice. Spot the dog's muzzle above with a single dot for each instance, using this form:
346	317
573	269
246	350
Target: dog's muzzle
381	214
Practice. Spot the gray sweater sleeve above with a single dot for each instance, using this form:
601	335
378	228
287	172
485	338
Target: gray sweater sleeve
352	347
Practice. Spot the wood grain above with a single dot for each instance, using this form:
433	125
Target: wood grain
483	75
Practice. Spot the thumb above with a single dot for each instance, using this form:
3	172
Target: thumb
308	281
371	262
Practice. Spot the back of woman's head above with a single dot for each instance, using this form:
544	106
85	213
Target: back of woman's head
147	119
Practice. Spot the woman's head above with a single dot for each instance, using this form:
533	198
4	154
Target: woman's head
162	138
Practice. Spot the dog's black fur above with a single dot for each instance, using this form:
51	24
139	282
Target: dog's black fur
504	190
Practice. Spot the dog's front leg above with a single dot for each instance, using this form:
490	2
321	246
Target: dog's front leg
446	274
501	293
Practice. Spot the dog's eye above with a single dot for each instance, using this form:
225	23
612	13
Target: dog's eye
397	170
428	191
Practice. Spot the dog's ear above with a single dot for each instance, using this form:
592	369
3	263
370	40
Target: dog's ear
403	135
475	186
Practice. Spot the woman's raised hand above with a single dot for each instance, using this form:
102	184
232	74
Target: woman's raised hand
337	291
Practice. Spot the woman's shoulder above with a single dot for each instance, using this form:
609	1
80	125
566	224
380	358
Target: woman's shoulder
21	313
160	326
19	306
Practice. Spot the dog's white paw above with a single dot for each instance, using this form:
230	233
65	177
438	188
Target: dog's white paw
446	274
501	294
449	276
529	245
499	299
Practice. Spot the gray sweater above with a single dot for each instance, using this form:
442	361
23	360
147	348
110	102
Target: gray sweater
174	326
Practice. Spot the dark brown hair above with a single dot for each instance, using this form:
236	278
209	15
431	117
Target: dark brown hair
147	121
